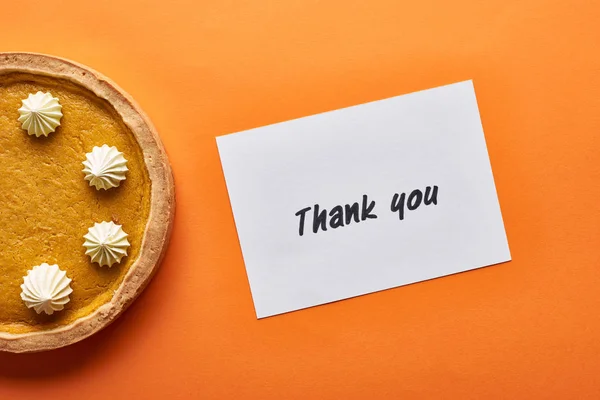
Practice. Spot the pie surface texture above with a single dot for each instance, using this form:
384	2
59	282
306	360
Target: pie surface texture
46	206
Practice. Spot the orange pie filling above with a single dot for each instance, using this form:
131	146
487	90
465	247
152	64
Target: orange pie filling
46	206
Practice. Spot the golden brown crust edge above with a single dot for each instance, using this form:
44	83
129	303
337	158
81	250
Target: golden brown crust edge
162	203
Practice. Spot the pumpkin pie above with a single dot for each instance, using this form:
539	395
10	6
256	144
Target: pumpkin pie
86	202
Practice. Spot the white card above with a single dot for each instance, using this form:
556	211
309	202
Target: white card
407	187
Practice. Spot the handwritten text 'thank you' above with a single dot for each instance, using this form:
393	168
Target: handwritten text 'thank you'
344	215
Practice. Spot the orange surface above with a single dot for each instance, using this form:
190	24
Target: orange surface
529	329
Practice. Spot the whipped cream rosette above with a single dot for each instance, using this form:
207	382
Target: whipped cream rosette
46	288
105	167
40	114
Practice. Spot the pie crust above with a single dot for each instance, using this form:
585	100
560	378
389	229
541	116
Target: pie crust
162	201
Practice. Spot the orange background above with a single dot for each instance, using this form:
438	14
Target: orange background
529	329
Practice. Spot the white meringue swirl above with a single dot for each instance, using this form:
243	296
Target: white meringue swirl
105	167
106	243
46	288
40	114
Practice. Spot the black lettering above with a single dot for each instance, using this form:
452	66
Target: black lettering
366	211
430	198
352	211
319	219
398	204
413	204
302	214
337	217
